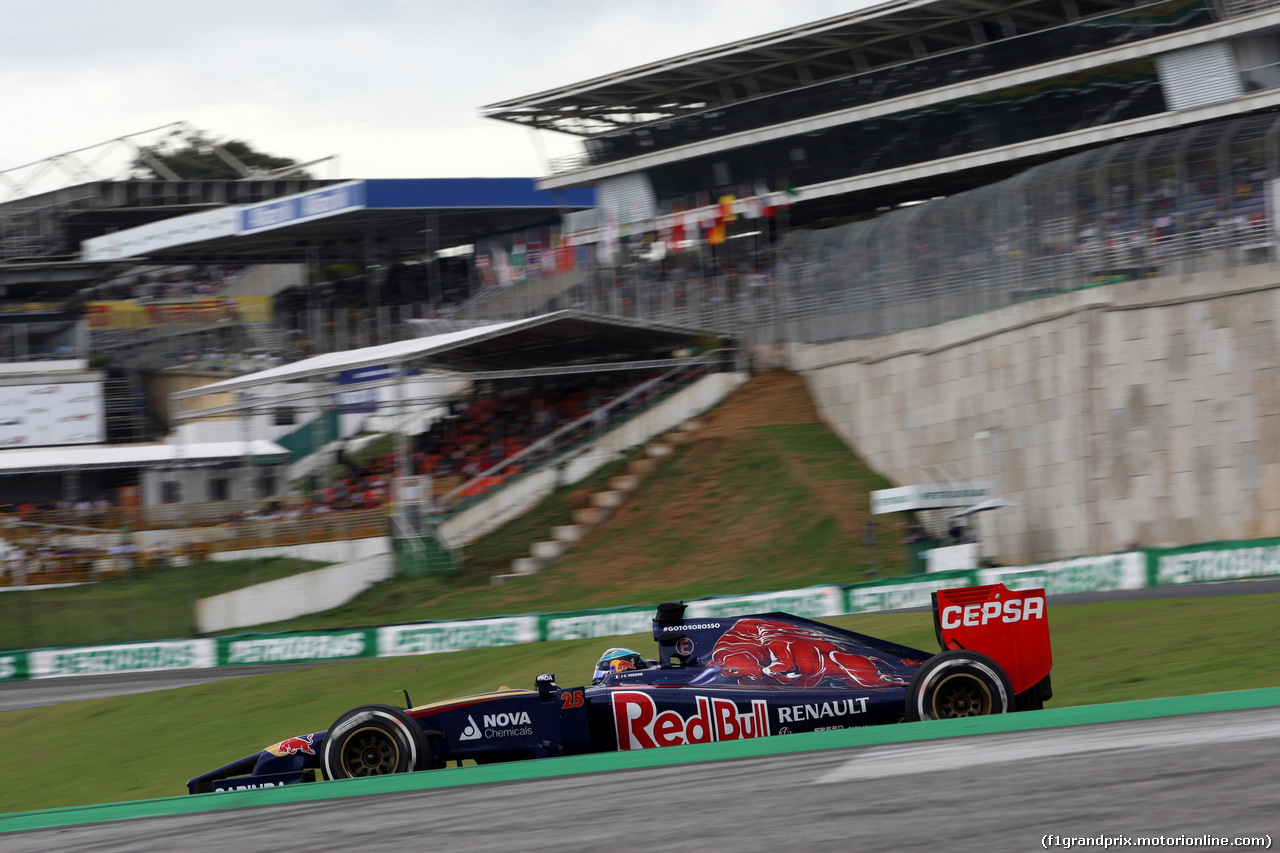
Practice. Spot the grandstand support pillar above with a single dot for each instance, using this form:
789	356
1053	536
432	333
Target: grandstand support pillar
71	486
374	272
431	244
403	460
315	322
246	489
780	273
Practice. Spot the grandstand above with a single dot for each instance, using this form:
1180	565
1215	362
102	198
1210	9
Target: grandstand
1041	124
207	304
1083	193
906	100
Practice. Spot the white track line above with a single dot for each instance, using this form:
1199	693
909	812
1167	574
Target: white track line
905	760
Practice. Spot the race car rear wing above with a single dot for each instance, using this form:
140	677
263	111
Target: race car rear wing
1008	626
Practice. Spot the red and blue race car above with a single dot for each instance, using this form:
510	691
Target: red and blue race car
714	679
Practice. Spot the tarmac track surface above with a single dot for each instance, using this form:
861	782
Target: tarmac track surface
51	691
1204	774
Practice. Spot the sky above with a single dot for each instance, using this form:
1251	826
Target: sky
393	88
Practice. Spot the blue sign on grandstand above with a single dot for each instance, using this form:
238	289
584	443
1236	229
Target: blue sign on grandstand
441	193
366	400
302	207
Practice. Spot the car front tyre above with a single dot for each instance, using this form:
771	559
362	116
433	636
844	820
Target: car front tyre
373	740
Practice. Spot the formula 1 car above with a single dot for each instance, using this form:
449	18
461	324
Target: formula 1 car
715	679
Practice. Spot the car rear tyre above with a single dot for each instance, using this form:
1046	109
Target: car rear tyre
373	740
958	683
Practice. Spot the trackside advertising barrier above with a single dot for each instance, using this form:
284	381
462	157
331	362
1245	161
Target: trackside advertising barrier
1083	574
431	637
901	593
1129	570
812	602
583	624
288	648
128	657
13	666
1214	561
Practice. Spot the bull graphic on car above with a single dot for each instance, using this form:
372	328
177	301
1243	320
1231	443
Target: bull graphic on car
712	681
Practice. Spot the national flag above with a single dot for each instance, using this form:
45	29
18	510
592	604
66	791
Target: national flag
765	198
677	234
607	249
551	254
502	266
728	207
564	258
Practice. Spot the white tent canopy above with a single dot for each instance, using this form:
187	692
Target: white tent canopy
992	503
560	339
396	352
98	456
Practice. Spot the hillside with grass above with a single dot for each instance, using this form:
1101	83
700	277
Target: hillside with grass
763	497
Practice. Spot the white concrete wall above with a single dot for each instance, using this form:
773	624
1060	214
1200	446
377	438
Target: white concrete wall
514	499
288	598
267	280
344	550
1144	412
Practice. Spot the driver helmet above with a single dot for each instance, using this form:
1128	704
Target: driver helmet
617	660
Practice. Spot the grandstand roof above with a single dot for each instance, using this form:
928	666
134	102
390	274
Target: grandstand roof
561	342
353	221
834	48
559	339
101	456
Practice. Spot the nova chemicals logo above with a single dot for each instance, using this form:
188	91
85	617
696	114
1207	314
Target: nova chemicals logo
513	724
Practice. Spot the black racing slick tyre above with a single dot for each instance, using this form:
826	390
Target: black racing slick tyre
373	740
958	683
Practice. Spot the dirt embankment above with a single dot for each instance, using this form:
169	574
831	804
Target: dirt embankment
739	508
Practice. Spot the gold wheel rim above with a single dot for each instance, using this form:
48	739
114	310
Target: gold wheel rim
961	695
369	751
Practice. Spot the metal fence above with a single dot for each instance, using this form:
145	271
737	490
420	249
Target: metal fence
1192	200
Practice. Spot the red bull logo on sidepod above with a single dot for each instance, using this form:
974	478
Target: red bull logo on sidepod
640	726
293	746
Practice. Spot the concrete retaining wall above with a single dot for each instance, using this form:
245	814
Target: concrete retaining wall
325	552
288	598
1140	413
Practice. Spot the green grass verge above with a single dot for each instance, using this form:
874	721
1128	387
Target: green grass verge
148	745
147	606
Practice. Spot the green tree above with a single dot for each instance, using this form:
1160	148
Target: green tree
195	156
